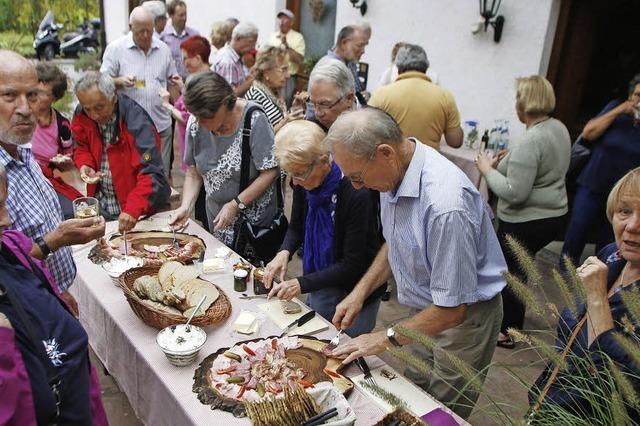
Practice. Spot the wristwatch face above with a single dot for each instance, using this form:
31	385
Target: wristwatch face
390	333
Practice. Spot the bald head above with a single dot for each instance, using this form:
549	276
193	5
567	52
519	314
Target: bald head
141	25
18	95
12	62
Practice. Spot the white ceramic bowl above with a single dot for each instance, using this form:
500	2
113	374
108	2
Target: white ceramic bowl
180	346
116	267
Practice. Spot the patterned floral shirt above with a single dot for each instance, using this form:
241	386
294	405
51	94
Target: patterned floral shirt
217	159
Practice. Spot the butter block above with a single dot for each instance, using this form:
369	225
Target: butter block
212	265
245	323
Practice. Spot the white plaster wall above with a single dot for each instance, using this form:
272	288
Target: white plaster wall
479	72
116	16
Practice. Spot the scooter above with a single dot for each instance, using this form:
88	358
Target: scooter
46	43
84	40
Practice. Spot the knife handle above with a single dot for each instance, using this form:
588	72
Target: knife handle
306	318
360	362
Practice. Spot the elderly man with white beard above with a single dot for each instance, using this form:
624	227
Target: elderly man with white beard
32	203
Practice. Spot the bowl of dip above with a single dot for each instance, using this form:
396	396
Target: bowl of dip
181	343
118	266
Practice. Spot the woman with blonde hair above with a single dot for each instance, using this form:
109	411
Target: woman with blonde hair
336	223
272	73
529	182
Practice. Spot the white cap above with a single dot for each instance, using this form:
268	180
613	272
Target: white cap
286	12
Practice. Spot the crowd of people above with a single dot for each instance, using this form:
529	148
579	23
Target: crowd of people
373	199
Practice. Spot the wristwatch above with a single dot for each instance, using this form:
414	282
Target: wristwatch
44	248
391	335
241	205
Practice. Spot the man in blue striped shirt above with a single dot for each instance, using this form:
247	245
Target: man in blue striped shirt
441	248
31	201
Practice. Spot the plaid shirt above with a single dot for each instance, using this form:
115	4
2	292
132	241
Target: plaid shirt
34	210
106	192
229	65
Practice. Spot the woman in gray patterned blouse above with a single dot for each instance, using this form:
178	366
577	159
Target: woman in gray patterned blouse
213	153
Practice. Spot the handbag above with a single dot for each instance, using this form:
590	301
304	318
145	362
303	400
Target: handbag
265	240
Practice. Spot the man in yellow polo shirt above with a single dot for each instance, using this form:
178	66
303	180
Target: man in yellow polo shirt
294	43
422	109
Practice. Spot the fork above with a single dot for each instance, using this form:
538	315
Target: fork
364	367
333	343
174	243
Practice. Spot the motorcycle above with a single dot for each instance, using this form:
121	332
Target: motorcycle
46	43
83	40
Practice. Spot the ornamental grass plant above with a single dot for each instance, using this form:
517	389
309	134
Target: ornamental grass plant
609	390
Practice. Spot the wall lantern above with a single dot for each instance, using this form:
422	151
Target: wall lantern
489	12
360	4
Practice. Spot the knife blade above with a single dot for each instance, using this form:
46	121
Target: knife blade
301	321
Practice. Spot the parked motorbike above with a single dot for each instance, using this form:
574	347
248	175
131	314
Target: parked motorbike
46	43
83	40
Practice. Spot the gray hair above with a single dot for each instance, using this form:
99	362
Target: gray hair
361	131
364	26
206	92
335	72
633	83
102	81
157	8
140	14
244	30
411	57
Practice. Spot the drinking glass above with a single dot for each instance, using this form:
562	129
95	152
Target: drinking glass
86	207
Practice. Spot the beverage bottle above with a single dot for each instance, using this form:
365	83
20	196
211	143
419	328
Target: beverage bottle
504	139
484	142
493	138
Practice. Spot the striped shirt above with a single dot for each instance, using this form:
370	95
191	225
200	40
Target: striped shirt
257	95
443	249
173	40
106	193
35	211
123	58
229	65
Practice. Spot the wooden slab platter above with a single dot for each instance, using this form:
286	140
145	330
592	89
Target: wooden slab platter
152	246
309	357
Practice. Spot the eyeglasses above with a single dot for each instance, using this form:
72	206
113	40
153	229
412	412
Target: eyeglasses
305	175
358	177
323	107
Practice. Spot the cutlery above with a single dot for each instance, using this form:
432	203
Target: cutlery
320	418
364	367
300	321
246	296
333	343
194	312
174	244
126	245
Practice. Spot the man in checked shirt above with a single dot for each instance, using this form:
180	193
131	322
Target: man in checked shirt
32	203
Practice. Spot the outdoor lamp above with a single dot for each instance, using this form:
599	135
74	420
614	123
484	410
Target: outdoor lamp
489	12
362	5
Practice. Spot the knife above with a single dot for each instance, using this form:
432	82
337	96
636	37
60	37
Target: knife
301	321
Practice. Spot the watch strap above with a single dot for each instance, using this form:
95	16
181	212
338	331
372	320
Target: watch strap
241	205
392	338
44	248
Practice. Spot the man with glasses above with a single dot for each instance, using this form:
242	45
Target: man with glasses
440	247
331	92
141	65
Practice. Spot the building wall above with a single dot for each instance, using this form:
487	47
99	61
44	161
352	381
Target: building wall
479	72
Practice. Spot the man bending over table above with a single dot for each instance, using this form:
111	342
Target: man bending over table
441	248
117	152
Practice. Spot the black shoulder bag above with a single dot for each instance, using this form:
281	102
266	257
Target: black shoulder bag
265	240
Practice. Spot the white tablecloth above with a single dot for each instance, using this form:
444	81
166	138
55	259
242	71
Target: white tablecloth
464	157
160	393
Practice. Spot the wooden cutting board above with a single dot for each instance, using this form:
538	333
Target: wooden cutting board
274	311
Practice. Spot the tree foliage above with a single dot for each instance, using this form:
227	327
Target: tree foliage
24	16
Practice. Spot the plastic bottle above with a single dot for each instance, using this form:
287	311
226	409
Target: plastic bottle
504	139
493	137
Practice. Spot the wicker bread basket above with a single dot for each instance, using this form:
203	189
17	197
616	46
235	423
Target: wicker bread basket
403	415
219	311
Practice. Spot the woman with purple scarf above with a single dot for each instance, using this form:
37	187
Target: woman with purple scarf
336	223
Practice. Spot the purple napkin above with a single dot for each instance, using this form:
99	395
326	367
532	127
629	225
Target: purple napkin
439	417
